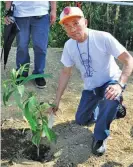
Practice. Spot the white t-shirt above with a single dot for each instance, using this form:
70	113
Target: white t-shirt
30	8
100	66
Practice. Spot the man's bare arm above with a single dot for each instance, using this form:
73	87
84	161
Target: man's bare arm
113	90
53	12
63	81
62	84
127	60
53	5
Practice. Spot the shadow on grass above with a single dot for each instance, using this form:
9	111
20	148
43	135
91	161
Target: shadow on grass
112	164
131	132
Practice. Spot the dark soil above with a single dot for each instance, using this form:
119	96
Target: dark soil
31	152
14	144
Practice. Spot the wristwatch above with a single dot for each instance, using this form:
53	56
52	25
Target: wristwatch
123	86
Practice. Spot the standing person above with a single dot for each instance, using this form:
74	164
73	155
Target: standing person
33	19
93	53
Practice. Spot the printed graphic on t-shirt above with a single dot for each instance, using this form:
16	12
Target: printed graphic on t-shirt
87	63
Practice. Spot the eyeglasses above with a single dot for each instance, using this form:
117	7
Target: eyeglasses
74	25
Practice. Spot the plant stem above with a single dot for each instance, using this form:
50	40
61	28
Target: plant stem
38	151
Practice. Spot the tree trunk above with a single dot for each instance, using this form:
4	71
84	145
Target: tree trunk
107	14
116	18
90	17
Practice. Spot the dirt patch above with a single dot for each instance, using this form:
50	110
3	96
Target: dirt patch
72	147
14	144
11	143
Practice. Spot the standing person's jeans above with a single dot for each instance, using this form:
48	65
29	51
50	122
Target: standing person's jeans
38	28
93	103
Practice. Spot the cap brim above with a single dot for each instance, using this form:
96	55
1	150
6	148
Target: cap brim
68	17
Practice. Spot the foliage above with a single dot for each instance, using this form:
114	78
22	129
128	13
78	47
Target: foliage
104	17
32	109
116	19
2	20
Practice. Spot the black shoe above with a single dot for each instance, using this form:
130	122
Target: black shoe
99	147
121	110
121	113
91	122
40	83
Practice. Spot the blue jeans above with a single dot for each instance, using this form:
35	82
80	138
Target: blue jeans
95	107
38	29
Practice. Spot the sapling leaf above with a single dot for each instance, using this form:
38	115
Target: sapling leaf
13	74
5	93
7	81
5	87
49	133
44	106
33	76
33	104
9	94
45	119
30	94
36	138
4	98
20	79
21	90
18	100
23	68
29	117
34	117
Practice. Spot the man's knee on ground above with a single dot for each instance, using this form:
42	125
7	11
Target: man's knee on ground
111	102
80	120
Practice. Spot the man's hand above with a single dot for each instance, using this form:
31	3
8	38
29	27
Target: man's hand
7	8
54	108
52	17
112	91
8	20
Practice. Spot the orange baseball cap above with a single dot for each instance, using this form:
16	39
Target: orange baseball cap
70	12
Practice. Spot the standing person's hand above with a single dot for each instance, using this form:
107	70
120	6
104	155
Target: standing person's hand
52	17
8	20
